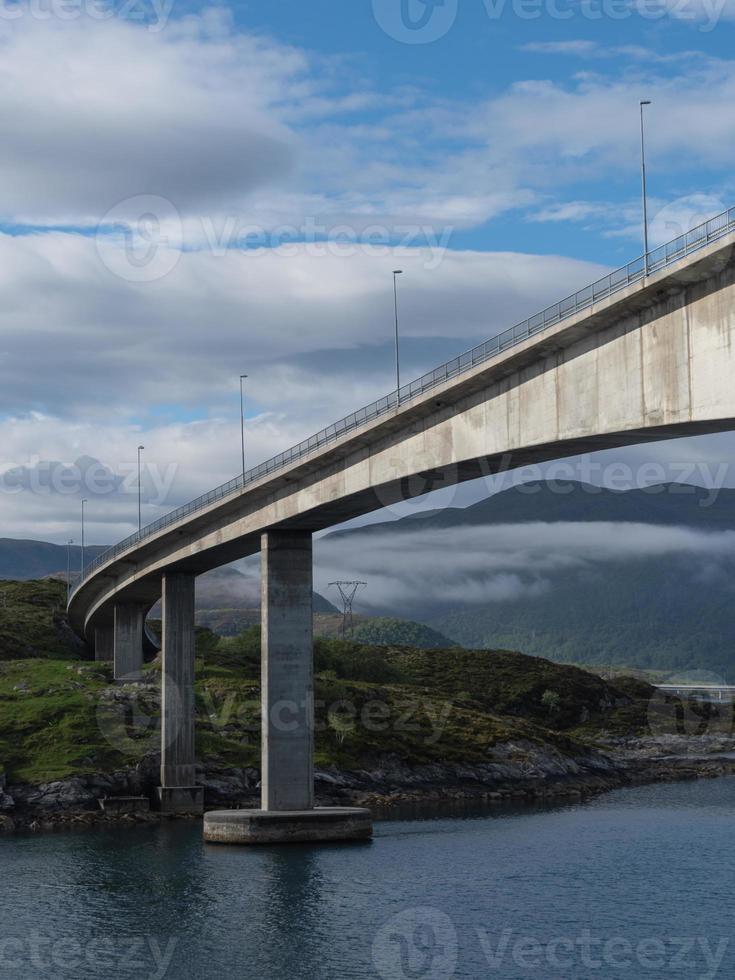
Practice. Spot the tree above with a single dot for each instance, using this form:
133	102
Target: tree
551	701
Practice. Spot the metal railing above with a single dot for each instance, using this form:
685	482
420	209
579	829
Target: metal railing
584	299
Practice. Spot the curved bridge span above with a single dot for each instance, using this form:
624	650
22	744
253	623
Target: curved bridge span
646	356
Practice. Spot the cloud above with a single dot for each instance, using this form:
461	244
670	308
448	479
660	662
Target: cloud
411	571
236	130
571	47
184	120
312	140
77	340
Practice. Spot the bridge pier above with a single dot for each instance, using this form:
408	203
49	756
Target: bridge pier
104	644
178	792
287	709
287	682
128	641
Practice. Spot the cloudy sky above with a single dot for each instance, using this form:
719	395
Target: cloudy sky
189	193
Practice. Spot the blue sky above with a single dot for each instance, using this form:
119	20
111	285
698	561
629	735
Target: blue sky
483	57
189	193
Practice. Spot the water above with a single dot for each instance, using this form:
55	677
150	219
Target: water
530	893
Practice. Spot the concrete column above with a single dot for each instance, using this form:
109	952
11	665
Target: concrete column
287	675
104	644
128	642
177	705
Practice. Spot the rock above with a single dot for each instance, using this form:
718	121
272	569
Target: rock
62	794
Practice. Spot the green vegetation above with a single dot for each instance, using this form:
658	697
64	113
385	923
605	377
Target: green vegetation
32	623
60	717
48	720
388	630
672	614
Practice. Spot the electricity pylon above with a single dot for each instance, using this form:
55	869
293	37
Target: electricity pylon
347	591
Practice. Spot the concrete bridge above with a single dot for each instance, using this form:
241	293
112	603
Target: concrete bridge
699	692
645	354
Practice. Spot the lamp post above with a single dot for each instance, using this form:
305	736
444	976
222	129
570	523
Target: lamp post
643	103
242	426
140	521
396	273
82	553
69	543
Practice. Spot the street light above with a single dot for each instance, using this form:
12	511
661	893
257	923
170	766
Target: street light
396	273
140	522
242	426
69	543
644	102
82	554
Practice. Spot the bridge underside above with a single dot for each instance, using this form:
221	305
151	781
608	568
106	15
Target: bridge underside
654	363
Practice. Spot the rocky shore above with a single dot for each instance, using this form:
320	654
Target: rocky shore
516	771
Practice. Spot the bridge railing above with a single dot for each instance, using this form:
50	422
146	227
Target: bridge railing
584	299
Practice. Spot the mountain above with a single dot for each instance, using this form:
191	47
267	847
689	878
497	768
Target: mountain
589	575
664	504
24	559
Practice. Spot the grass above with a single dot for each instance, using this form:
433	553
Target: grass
59	716
32	621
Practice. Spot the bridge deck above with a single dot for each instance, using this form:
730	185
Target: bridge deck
134	566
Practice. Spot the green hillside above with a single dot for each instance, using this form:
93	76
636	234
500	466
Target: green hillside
33	621
650	613
61	716
389	631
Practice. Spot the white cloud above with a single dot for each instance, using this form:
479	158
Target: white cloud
572	47
110	110
77	340
226	125
409	571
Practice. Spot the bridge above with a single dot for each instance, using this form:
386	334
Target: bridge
699	692
644	354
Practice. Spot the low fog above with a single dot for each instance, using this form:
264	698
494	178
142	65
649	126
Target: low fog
406	572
